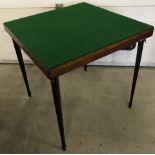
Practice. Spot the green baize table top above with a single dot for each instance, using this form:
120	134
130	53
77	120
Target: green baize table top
59	36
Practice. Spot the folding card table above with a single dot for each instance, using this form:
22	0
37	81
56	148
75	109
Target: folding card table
61	40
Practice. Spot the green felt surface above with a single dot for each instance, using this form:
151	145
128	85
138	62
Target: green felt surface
56	37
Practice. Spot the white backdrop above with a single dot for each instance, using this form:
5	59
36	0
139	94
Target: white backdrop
141	10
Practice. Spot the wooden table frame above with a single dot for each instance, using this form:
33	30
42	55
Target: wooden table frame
53	74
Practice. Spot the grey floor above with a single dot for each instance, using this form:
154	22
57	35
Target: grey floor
96	116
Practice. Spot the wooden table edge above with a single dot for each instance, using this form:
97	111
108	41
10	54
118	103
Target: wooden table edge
27	51
66	67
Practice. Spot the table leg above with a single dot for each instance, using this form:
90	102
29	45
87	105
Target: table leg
85	68
136	70
22	67
57	103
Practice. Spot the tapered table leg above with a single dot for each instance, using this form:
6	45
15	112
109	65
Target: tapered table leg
22	67
57	103
136	70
